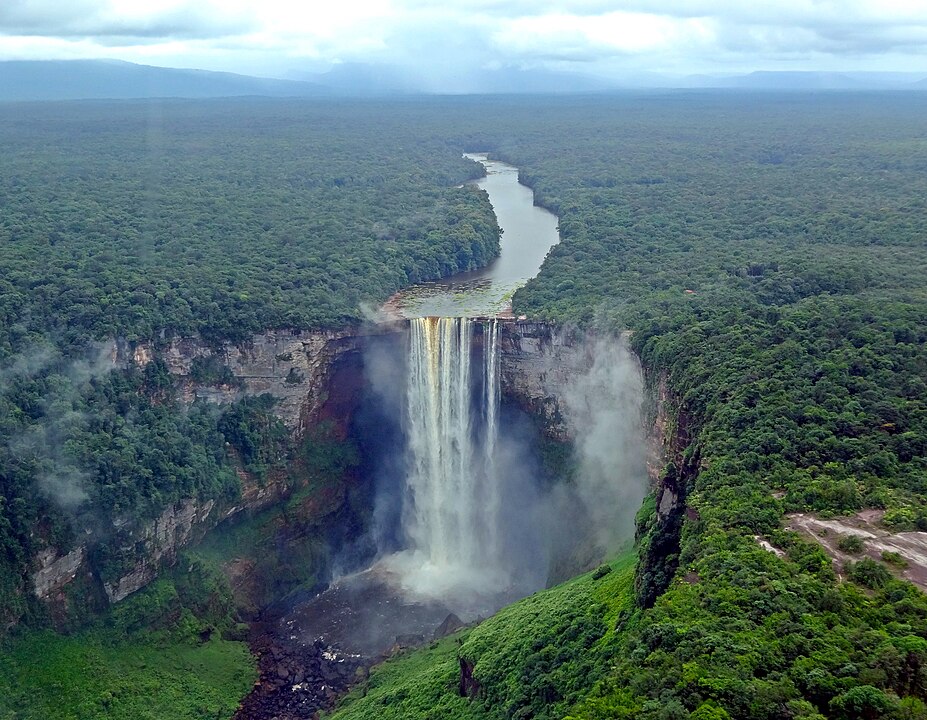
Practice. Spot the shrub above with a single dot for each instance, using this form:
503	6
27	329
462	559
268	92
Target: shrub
852	544
893	558
601	571
870	574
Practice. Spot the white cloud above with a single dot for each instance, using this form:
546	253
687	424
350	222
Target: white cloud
611	33
273	36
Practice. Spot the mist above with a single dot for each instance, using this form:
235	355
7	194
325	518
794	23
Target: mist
538	529
44	443
603	409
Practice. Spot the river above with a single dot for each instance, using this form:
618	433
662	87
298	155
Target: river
364	615
528	234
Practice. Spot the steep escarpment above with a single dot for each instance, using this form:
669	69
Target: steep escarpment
672	467
293	366
538	361
311	382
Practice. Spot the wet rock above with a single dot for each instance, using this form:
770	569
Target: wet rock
297	679
469	686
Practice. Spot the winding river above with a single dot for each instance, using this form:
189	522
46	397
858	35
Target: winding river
528	234
364	613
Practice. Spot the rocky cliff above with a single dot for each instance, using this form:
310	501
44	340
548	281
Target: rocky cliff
536	364
292	365
672	465
315	376
297	368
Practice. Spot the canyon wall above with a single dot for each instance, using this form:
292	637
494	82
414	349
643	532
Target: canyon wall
536	364
295	367
315	376
673	465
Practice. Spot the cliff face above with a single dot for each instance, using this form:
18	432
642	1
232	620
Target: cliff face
295	367
291	365
316	376
55	571
672	466
536	364
159	542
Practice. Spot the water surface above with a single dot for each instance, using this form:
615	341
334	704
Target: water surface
528	233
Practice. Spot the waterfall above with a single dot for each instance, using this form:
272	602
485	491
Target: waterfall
452	500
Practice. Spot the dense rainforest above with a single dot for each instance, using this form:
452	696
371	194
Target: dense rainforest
145	221
766	251
768	255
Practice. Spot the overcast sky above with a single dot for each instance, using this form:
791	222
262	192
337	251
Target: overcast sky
283	38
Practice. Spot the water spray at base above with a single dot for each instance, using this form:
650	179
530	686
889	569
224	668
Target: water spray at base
451	505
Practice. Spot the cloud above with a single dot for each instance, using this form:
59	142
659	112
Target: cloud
45	444
447	38
587	37
154	19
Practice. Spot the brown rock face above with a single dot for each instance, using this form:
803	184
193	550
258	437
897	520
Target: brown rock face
162	538
469	686
536	364
291	365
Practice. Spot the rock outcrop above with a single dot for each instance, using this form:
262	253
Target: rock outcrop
536	364
158	542
291	365
56	571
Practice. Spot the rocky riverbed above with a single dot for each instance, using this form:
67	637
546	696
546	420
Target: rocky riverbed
297	678
312	653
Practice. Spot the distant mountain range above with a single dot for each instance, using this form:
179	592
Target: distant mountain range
98	79
84	79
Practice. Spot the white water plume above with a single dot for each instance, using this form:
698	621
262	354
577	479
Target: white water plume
451	510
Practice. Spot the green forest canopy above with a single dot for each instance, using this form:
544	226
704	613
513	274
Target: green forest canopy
767	252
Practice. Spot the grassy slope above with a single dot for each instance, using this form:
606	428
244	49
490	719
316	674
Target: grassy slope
525	657
96	674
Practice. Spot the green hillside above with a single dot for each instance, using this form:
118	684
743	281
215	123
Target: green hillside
532	659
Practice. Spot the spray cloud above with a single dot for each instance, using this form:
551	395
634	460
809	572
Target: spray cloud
433	499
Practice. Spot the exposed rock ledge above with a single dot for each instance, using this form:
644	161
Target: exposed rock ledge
161	539
55	571
291	365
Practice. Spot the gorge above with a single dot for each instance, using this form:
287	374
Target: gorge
470	514
205	437
473	515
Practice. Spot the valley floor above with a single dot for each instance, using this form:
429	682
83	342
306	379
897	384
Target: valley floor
98	674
